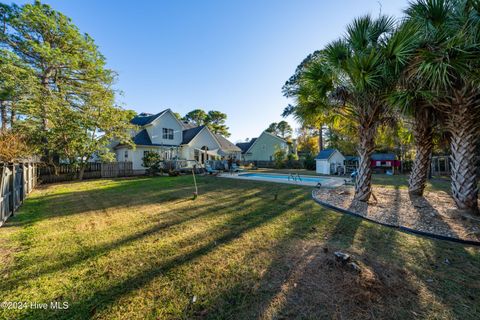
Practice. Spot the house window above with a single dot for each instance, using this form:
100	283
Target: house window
167	133
126	154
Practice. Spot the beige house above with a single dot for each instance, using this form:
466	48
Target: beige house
173	140
262	148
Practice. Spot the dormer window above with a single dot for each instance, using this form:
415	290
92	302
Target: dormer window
167	134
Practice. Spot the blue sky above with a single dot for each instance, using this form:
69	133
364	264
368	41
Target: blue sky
232	56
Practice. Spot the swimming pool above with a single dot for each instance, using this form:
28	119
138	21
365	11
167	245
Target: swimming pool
286	178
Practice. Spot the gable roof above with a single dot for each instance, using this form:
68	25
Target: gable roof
191	133
273	135
225	144
143	139
188	125
325	154
383	156
244	146
143	118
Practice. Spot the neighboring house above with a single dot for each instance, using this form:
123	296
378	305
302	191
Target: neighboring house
381	162
385	161
262	148
173	140
330	161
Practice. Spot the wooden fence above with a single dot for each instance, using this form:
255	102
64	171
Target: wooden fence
16	182
67	172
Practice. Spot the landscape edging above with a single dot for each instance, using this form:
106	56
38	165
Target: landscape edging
400	228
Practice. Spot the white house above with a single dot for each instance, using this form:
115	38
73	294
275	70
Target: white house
173	140
330	161
262	148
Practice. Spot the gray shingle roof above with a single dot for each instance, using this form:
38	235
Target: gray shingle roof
225	144
325	154
145	118
143	139
244	146
188	125
189	134
351	158
383	156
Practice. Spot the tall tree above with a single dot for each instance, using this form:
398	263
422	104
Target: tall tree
197	117
17	85
71	112
281	129
60	56
215	121
355	74
447	63
272	128
311	105
414	103
284	130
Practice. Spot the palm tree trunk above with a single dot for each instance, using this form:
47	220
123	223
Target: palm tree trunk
423	134
363	182
464	126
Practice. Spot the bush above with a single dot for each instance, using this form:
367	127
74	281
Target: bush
13	147
293	164
292	156
151	160
309	163
279	158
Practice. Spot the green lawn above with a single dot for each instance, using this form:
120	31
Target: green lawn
143	249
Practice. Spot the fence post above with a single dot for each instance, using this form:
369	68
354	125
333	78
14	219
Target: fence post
29	177
12	190
23	193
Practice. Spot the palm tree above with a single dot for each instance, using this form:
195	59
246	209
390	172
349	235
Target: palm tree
415	106
447	63
366	63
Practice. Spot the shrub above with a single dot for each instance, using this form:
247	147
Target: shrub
279	158
292	156
309	162
13	147
151	160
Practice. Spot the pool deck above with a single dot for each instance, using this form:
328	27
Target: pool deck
328	182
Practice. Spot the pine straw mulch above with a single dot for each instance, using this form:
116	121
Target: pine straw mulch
434	213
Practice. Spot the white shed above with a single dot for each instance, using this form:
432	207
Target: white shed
330	161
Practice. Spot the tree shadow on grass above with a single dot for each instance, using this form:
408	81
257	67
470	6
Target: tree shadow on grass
71	260
450	277
198	246
304	281
123	193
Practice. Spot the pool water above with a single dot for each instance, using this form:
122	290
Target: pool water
284	177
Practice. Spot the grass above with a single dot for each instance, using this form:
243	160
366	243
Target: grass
143	249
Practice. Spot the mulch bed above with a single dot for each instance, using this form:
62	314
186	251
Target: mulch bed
434	213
